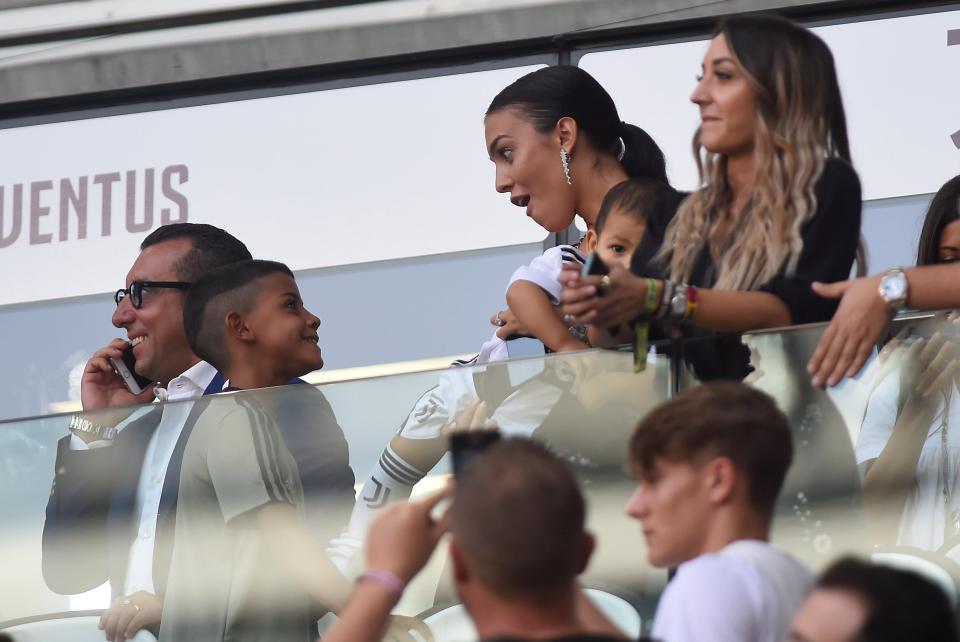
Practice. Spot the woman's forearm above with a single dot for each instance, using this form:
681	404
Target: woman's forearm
934	287
732	311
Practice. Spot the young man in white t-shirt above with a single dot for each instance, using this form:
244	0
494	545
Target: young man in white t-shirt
711	462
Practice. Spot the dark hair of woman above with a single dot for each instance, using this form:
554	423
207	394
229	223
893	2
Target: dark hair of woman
546	95
944	209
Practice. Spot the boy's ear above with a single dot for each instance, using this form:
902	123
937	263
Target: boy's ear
722	479
589	243
236	326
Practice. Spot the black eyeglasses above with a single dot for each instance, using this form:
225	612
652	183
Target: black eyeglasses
135	291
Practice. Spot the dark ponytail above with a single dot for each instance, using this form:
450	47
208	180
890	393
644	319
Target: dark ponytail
546	95
643	158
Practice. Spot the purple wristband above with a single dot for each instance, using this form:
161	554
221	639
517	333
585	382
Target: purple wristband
386	579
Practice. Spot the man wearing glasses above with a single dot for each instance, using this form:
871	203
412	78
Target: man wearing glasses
112	508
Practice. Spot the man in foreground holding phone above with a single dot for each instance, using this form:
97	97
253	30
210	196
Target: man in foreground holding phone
518	545
112	508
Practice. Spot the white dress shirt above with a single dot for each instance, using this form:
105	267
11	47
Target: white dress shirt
189	385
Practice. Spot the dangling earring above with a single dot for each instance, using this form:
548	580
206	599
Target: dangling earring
565	161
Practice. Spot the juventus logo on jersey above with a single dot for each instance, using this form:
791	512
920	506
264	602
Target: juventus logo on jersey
428	409
379	497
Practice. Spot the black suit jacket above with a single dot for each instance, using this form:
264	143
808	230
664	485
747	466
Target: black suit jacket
91	521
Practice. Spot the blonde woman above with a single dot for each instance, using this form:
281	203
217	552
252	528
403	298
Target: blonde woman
779	203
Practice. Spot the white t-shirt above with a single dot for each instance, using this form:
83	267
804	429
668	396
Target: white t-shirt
747	592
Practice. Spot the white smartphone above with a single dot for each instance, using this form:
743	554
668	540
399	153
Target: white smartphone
124	367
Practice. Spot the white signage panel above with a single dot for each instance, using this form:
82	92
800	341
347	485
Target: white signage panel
313	179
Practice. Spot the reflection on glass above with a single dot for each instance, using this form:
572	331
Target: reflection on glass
909	442
584	406
819	506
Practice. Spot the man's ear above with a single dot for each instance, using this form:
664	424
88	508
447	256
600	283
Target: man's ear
721	479
589	242
567	132
587	547
461	574
235	323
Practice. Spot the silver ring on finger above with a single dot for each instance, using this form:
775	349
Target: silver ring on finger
569	318
499	322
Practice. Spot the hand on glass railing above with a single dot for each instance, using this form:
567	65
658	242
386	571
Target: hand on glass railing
401	627
127	615
473	417
857	325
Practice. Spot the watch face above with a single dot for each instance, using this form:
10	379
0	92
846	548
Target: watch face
894	286
678	306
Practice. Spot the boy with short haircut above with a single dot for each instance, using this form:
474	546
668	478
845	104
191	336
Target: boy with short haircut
711	462
244	566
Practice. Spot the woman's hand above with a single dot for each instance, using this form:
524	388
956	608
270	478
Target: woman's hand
857	325
587	301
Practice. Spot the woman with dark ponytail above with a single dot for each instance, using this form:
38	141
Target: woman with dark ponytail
559	145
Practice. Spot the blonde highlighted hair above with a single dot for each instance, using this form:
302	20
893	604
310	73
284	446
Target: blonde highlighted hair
800	124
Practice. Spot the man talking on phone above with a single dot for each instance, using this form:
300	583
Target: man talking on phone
112	508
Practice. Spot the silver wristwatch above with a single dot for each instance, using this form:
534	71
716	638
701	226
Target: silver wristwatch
678	304
895	289
79	424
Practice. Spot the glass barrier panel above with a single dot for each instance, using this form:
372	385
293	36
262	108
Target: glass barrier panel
876	460
338	452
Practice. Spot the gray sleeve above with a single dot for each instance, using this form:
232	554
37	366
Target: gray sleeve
244	460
